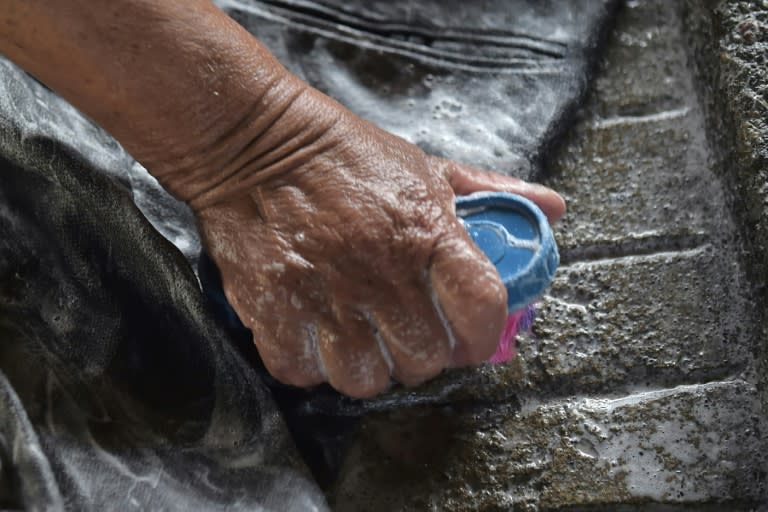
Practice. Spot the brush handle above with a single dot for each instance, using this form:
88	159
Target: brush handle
515	235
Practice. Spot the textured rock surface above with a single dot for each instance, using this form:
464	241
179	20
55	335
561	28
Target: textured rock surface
730	45
639	386
683	444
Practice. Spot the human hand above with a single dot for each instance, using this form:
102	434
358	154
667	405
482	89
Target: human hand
339	248
337	242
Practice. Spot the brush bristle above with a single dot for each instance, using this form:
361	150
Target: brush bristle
517	321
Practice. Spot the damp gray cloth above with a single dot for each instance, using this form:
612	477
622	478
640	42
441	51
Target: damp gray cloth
118	387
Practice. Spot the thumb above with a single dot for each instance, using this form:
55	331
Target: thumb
465	179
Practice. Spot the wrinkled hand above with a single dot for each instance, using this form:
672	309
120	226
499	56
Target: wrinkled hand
337	242
340	249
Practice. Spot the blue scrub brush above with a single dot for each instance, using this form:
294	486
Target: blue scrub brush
515	235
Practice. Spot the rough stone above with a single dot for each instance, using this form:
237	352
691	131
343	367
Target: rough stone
729	47
615	324
640	144
638	387
681	445
622	178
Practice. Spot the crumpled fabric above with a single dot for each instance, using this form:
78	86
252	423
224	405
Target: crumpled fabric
119	386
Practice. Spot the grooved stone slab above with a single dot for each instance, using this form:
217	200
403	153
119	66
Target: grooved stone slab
639	188
635	170
615	324
676	446
729	42
636	388
624	178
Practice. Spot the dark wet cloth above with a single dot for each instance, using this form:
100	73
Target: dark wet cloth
118	387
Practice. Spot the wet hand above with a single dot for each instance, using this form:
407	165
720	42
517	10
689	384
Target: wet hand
340	249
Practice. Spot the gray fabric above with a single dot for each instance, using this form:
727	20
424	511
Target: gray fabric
486	82
118	387
119	383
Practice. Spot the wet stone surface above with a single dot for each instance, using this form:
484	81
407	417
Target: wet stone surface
729	41
670	445
638	385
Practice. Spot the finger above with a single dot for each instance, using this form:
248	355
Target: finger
471	295
290	357
419	343
284	335
353	362
466	179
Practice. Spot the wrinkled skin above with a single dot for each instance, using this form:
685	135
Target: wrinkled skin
337	242
349	264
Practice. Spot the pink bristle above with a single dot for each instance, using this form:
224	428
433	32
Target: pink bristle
520	320
526	321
